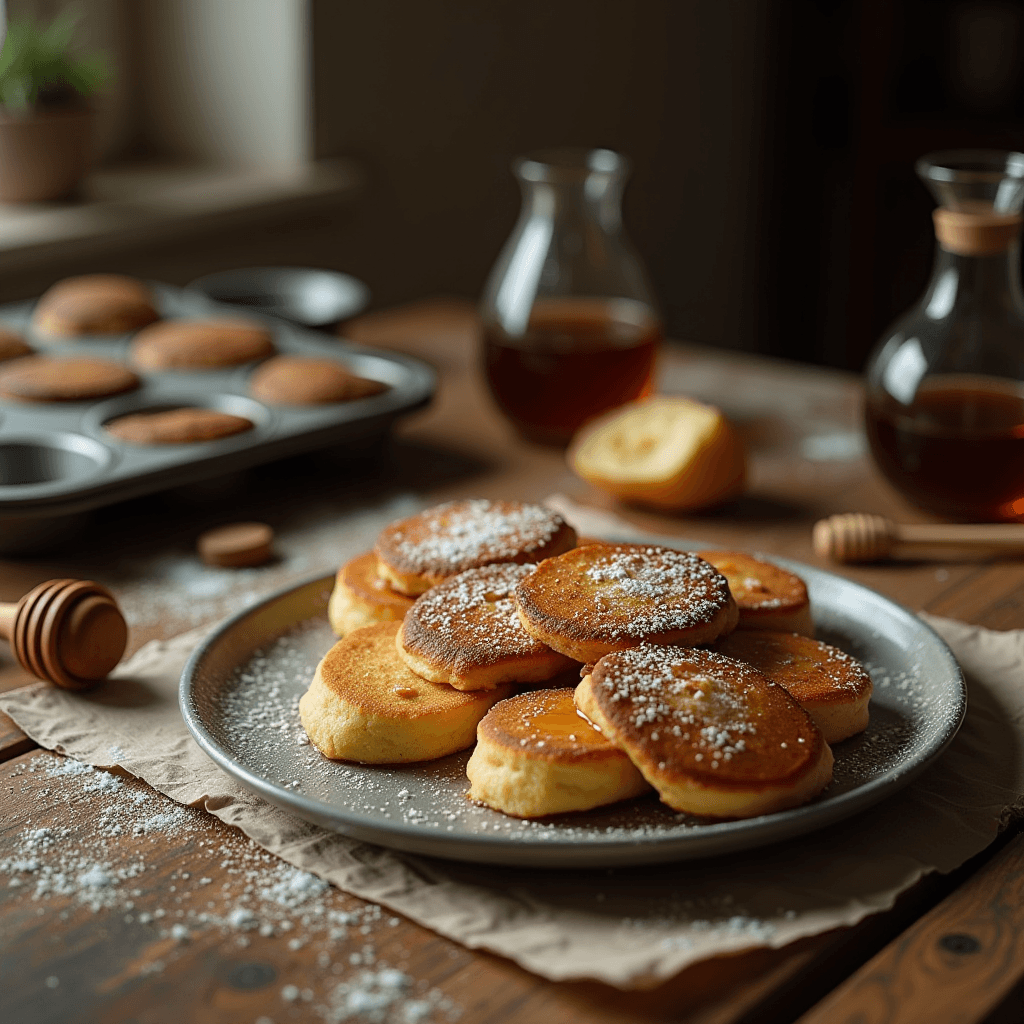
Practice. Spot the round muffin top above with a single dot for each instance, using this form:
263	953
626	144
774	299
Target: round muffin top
94	304
305	380
176	426
200	344
42	379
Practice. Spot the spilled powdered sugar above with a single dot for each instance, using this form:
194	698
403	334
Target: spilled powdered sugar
69	870
460	535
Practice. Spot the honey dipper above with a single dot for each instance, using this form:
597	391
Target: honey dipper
68	632
860	537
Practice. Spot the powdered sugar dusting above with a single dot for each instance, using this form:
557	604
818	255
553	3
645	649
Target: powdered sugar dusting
471	619
626	592
224	885
460	535
699	709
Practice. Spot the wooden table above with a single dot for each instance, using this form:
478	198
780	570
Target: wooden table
950	950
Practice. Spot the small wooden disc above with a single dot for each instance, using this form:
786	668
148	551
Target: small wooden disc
236	545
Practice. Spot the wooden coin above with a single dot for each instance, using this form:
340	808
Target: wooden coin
42	379
302	380
236	545
200	344
94	304
176	426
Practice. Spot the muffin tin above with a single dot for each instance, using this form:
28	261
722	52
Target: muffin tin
56	459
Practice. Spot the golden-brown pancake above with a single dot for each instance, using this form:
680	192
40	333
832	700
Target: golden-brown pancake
361	598
200	344
465	632
713	735
417	553
607	597
365	705
830	685
768	596
94	304
535	755
12	346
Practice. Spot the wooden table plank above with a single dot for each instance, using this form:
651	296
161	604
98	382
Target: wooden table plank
951	967
13	742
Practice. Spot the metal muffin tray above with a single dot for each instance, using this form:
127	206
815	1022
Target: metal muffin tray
56	459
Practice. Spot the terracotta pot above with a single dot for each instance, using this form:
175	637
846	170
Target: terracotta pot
43	154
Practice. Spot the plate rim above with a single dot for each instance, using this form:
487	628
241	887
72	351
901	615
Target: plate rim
712	839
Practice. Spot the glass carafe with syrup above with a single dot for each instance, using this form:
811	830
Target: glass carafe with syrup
570	327
945	386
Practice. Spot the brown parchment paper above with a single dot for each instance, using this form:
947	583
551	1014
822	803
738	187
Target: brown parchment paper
628	927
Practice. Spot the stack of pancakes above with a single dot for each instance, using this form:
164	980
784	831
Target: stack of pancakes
696	678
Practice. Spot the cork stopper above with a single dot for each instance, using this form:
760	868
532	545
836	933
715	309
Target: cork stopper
975	232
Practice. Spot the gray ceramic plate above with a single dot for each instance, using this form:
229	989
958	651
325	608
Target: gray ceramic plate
240	690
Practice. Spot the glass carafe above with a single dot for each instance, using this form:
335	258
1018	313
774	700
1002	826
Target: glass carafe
945	386
570	327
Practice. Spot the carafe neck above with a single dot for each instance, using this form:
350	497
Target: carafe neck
596	200
963	285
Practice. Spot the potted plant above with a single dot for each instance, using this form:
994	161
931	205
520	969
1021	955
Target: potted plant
45	116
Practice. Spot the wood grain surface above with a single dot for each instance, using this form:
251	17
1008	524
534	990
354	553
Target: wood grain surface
802	428
955	964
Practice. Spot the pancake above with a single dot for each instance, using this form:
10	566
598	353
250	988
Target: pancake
830	685
365	705
176	426
304	380
713	736
42	379
768	596
200	344
12	346
361	598
535	755
94	304
608	597
417	553
465	632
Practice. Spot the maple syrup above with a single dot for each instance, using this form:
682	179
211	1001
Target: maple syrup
958	451
576	359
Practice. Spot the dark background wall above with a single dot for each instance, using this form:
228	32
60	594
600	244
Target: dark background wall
773	141
773	195
437	98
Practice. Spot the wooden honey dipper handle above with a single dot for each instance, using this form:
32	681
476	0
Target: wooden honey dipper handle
860	537
69	632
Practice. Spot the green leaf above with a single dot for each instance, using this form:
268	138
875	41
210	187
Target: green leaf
37	57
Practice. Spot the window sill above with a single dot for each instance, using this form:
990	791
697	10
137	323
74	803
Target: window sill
157	202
